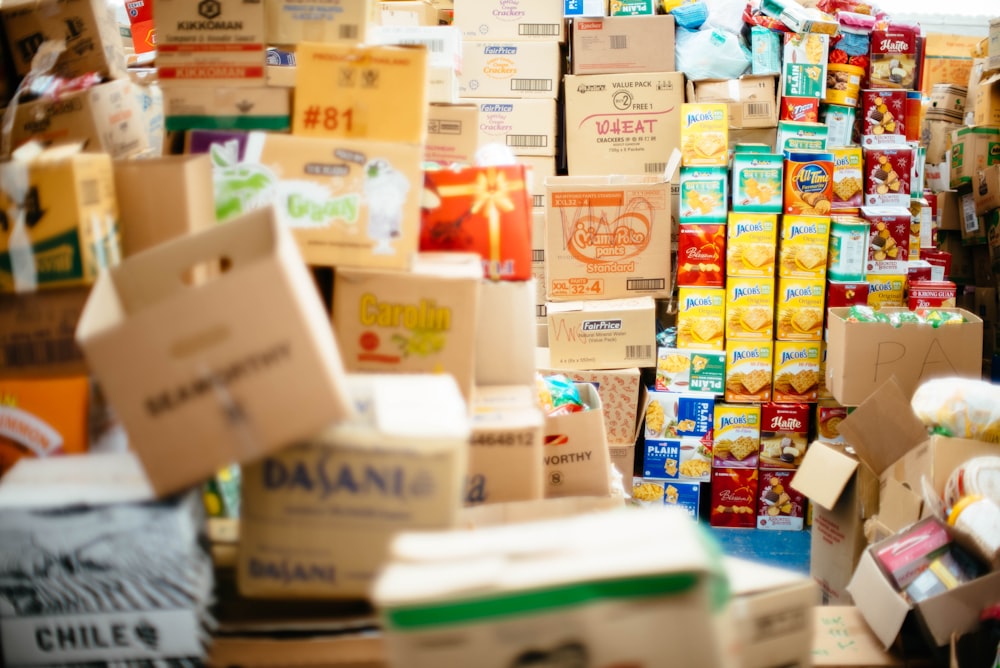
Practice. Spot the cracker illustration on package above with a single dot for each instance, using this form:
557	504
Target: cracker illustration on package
704	135
750	249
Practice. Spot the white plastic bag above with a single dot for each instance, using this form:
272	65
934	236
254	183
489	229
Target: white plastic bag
710	54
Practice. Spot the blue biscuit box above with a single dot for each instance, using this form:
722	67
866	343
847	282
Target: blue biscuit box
661	459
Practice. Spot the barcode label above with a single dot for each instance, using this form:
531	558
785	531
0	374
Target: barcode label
619	41
757	110
538	201
638	352
537	29
528	141
538	255
32	353
537	85
348	31
540	310
644	284
433	45
655	167
89	195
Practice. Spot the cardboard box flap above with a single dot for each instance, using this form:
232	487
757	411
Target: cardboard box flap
883	428
879	602
824	473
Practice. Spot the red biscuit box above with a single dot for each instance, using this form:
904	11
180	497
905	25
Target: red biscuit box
780	508
734	498
932	294
883	114
887	174
486	210
784	435
701	255
840	293
803	109
888	239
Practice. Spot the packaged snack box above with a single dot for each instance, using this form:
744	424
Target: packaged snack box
780	507
749	371
703	194
737	436
784	434
757	182
750	248
796	371
800	309
701	318
701	255
847	259
848	179
886	290
704	135
750	308
691	370
808	183
805	241
883	114
734	498
888	239
888	175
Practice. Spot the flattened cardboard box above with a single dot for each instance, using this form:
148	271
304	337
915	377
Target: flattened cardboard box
576	457
36	333
606	334
623	44
172	357
317	519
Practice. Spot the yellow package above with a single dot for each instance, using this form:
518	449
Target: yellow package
805	241
750	308
701	318
800	309
797	371
749	371
751	243
885	290
705	135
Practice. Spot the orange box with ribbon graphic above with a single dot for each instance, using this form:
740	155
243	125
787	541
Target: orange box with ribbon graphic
484	210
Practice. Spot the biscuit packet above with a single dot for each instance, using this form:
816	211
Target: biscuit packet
800	309
705	135
797	371
750	248
805	242
737	436
750	308
748	371
848	179
701	318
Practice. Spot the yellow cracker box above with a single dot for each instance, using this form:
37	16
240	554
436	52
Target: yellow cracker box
704	135
800	309
701	318
750	248
749	371
750	308
797	371
805	241
737	436
885	290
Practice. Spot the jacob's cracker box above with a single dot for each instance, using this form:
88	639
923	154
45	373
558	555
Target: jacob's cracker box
757	182
750	249
701	318
704	135
749	371
737	436
750	308
796	371
703	194
805	242
800	309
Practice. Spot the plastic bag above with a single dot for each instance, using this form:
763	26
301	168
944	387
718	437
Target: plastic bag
959	407
711	54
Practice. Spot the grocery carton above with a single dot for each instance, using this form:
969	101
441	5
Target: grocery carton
749	371
622	123
780	508
483	210
848	178
804	65
622	44
703	194
172	358
888	173
734	498
750	308
701	255
805	241
758	180
505	333
797	366
346	22
422	321
808	187
330	506
348	202
509	69
737	436
36	334
517	20
750	248
690	370
607	237
452	133
701	318
527	127
752	100
575	454
358	92
43	418
603	334
260	107
505	448
784	435
65	228
704	135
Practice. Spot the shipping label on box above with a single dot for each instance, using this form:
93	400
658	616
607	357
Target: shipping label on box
734	498
800	309
606	334
805	242
749	371
452	133
576	457
607	237
758	179
804	71
750	308
701	255
43	418
690	370
701	318
613	44
796	371
780	508
737	436
510	19
784	434
526	127
510	69
703	196
340	21
622	123
750	249
348	202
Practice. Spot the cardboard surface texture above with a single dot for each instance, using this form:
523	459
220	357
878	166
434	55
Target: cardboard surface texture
172	357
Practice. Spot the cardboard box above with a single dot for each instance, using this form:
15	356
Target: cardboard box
187	107
607	237
505	449
505	333
510	69
621	392
70	219
452	133
342	21
171	358
408	13
108	117
843	638
986	189
43	418
605	334
622	44
348	202
576	456
863	355
527	127
505	20
163	198
622	123
369	92
331	506
423	321
752	100
36	334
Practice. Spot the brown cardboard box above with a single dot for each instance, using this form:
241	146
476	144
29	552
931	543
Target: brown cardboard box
510	69
505	449
986	189
163	198
843	639
863	355
605	334
622	44
505	333
36	333
752	99
576	456
178	362
452	133
622	123
422	321
332	505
